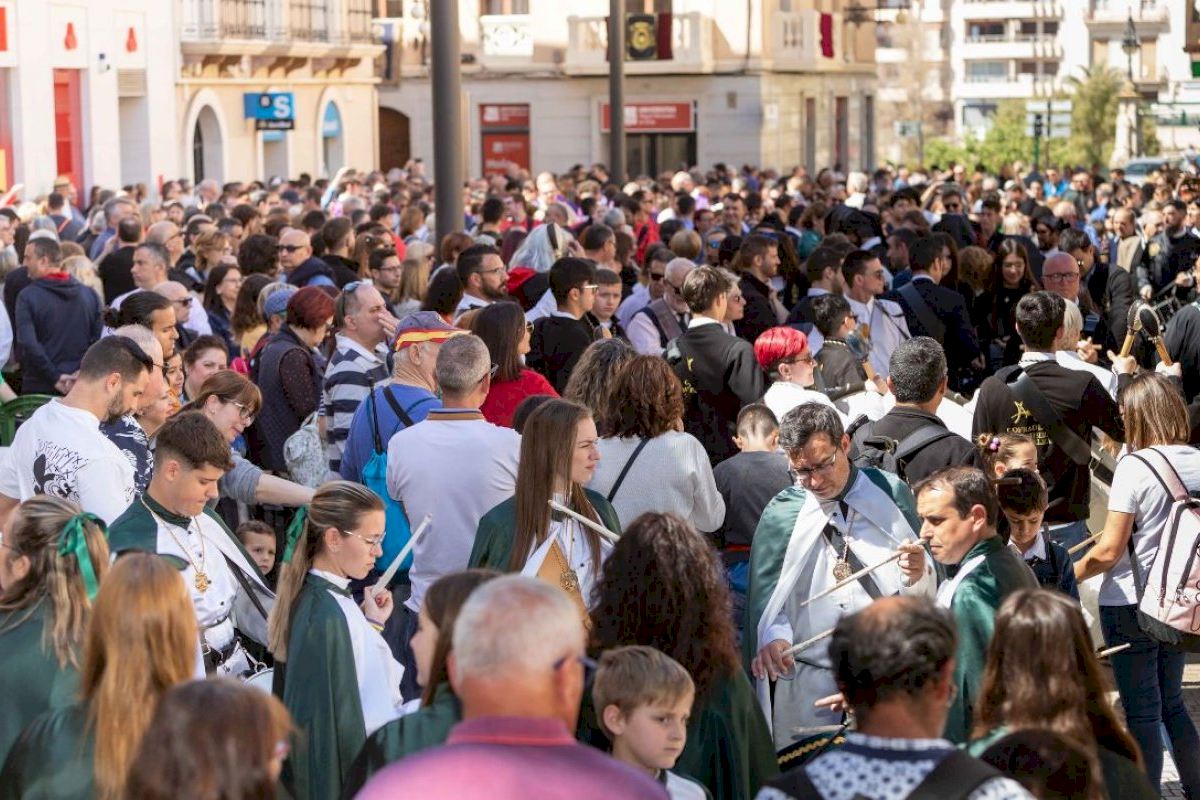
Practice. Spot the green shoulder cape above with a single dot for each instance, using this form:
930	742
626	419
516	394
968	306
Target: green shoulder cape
52	759
31	679
494	537
137	530
320	690
426	727
771	539
974	607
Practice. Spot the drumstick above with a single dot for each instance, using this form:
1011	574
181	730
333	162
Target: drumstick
1112	650
807	643
1127	345
1161	347
1085	543
851	579
390	572
598	528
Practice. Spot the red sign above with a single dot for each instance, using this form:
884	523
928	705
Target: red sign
653	118
504	136
3	29
503	116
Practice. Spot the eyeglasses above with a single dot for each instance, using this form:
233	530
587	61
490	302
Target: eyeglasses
715	242
1079	262
657	276
952	206
186	302
806	473
243	410
590	287
589	666
493	269
290	248
492	372
798	360
1061	277
372	543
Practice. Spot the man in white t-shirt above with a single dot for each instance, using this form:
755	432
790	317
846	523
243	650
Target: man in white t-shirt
60	450
454	465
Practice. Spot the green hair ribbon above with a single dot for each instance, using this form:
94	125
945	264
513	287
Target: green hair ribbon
295	530
73	541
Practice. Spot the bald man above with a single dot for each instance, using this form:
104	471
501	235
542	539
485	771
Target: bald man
182	301
298	262
167	234
665	318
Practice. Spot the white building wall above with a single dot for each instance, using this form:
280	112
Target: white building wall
37	45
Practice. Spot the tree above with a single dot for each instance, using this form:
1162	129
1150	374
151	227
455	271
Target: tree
1005	142
1094	95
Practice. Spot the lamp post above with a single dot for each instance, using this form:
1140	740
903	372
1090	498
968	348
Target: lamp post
1131	45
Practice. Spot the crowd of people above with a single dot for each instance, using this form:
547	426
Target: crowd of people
726	483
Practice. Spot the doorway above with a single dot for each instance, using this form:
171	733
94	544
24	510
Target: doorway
207	147
653	153
395	144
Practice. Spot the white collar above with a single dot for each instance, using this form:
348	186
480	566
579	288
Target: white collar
817	291
1034	356
922	277
698	320
1036	550
336	580
559	313
344	342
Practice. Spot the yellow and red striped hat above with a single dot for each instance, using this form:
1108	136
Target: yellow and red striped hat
423	326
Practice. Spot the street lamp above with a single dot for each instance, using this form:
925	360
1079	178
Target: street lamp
1130	44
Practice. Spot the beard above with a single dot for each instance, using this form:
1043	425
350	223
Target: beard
498	293
116	410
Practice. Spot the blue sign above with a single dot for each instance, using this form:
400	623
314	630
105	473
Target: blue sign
331	125
270	110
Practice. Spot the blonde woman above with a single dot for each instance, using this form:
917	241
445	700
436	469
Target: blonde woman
83	270
414	277
141	641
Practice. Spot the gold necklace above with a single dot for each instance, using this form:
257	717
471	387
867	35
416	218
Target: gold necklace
568	578
202	581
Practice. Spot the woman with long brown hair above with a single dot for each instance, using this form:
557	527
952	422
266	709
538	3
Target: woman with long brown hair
141	641
440	709
663	587
334	670
1041	673
52	559
1149	674
523	534
216	739
995	309
504	330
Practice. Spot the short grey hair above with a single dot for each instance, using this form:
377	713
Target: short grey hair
515	624
144	338
462	362
1072	323
804	421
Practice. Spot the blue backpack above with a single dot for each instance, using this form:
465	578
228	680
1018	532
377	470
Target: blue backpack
374	477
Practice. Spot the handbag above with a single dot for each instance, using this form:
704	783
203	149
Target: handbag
304	454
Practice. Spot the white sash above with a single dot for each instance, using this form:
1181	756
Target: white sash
946	593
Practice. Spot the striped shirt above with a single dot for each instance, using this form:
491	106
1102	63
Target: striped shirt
351	375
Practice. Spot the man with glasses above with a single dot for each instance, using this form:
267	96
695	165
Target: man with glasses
182	301
1105	295
299	264
666	317
519	670
386	271
834	521
359	362
649	286
880	322
559	339
483	275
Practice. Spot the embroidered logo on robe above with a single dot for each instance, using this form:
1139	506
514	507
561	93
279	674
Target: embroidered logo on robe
1022	413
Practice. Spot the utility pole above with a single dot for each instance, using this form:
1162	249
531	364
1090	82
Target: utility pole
447	117
616	91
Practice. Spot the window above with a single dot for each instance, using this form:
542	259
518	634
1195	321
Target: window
1027	68
987	71
990	31
358	19
498	7
1050	28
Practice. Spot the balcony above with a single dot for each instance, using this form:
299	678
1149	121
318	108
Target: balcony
506	37
1001	87
1020	46
691	47
253	27
794	39
1107	18
1013	9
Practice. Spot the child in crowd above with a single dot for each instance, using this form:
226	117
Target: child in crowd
1023	498
643	699
608	297
259	540
747	482
1004	451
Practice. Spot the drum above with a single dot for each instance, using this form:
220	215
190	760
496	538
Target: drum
811	743
261	680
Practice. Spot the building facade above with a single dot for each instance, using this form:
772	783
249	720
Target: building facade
915	77
765	82
87	90
312	58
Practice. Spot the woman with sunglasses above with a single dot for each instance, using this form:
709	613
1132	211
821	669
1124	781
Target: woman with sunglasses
52	559
783	352
333	669
503	328
231	402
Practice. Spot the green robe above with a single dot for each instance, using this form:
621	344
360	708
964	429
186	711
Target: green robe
426	727
31	679
729	749
494	538
53	759
320	690
974	607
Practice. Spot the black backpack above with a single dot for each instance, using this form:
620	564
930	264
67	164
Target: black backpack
868	449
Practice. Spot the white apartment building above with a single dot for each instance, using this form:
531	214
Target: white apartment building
768	82
912	49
